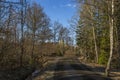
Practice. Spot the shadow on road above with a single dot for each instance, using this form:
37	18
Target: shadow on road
66	70
80	77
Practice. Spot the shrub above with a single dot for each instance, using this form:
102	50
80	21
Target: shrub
103	57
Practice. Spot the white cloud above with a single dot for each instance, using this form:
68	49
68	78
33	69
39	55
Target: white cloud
69	5
74	5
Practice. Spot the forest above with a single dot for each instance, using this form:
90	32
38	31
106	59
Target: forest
29	39
98	32
27	35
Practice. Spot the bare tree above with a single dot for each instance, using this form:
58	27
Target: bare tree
45	34
56	28
36	20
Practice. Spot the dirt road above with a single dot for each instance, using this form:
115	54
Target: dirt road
68	69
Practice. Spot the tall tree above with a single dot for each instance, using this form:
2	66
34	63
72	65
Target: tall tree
88	21
111	24
56	28
23	11
36	19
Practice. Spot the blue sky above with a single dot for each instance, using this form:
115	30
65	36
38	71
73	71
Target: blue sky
58	10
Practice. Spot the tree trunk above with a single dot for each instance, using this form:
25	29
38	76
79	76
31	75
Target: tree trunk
33	45
95	43
94	36
111	40
22	40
